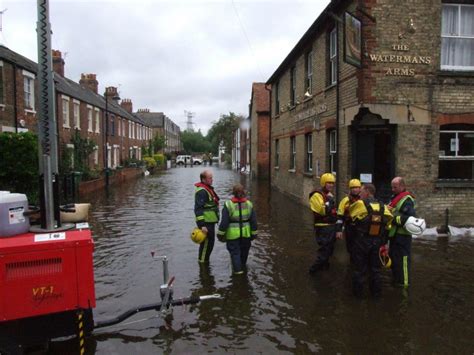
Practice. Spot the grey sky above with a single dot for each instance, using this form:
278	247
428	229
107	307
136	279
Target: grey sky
169	55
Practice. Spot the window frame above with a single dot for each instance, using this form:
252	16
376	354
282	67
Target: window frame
2	85
277	153
90	125
277	98
309	72
458	36
29	96
66	110
332	51
292	153
332	142
308	138
293	85
97	120
76	114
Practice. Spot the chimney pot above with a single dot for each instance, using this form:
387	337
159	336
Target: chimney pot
58	62
89	81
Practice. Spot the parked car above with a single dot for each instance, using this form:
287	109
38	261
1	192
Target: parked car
188	160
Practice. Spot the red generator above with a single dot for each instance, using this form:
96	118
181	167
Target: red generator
46	286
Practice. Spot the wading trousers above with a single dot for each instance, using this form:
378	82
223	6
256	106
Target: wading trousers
205	248
400	253
365	258
326	238
239	252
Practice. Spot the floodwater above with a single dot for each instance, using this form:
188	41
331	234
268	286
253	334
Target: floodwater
277	307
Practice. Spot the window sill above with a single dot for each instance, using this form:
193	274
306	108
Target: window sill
308	174
67	127
454	183
277	168
276	116
327	88
292	171
456	73
30	111
2	107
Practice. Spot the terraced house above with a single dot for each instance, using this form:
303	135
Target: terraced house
79	108
376	89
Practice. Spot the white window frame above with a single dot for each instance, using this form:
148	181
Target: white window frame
76	111
66	111
293	85
89	118
29	90
97	120
456	156
277	98
292	153
309	152
309	72
333	56
456	36
2	84
332	150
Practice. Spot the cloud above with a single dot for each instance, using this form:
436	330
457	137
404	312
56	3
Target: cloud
169	55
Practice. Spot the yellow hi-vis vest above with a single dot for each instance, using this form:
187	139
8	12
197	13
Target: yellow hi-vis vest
397	229
211	210
239	226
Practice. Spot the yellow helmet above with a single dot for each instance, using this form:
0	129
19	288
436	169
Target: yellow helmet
354	183
198	236
325	178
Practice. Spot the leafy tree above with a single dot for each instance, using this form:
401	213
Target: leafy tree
194	142
158	143
222	131
19	164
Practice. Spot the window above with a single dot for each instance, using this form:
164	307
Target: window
77	119
292	86
123	128
332	150
89	118
29	90
277	98
292	153
119	128
112	125
457	37
2	99
97	121
309	152
277	153
309	72
65	104
456	152
333	56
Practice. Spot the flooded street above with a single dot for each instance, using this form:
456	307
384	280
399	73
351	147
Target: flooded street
277	307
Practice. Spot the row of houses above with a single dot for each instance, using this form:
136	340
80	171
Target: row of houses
106	119
374	89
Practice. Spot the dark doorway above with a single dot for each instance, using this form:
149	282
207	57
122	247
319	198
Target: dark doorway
372	151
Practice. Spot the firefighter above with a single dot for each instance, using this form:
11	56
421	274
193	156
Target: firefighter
344	226
238	227
371	220
402	205
206	209
323	205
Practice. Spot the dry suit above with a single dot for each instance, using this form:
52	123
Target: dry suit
206	210
238	227
403	206
323	206
371	220
344	222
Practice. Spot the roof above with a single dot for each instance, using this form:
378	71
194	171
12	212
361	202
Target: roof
305	40
152	119
260	97
67	86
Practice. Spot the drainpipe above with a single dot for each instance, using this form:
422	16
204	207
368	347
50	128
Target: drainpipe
15	96
269	136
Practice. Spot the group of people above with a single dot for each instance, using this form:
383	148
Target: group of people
238	222
366	224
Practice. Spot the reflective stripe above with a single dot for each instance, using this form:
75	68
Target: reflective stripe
239	225
398	229
211	210
202	257
405	271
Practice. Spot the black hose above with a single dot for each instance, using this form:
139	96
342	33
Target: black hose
149	307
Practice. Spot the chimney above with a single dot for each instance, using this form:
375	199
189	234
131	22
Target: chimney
127	105
58	62
143	110
89	81
112	93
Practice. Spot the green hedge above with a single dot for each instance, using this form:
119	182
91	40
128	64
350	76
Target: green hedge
19	164
160	159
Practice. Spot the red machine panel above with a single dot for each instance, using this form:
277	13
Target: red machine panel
46	273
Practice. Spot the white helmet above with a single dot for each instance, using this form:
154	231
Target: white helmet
415	225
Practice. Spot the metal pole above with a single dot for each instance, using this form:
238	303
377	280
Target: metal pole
106	142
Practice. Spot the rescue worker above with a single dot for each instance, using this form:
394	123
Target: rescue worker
206	209
238	227
371	220
323	205
402	205
344	225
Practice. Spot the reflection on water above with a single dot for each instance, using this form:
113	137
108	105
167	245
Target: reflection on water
276	307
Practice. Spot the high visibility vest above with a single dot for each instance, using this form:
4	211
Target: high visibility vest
239	217
397	229
211	209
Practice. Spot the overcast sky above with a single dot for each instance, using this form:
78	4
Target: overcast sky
169	55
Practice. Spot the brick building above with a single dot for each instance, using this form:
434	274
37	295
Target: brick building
163	126
79	108
259	113
376	89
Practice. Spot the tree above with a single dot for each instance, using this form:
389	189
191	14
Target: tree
222	131
158	143
194	142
